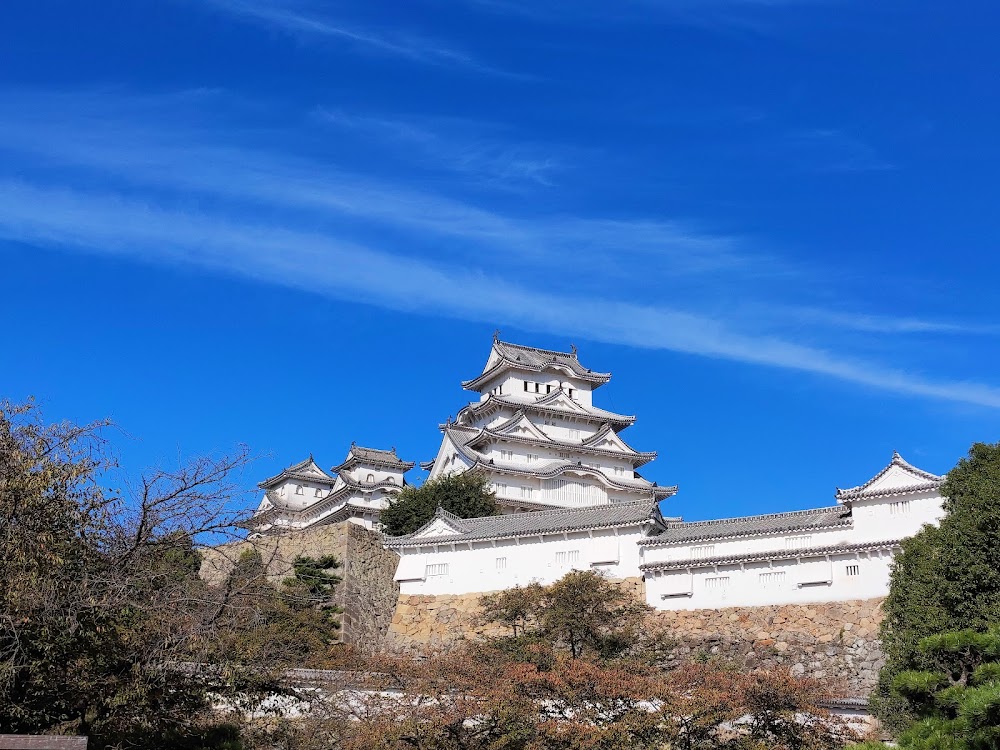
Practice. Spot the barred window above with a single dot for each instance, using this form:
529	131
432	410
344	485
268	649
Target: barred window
567	557
802	541
772	579
437	569
900	507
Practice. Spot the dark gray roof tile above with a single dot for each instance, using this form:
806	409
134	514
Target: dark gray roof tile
773	523
533	523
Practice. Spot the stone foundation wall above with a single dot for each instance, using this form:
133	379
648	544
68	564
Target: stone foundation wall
367	592
433	623
836	642
833	641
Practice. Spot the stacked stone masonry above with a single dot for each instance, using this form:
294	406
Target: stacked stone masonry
836	642
367	592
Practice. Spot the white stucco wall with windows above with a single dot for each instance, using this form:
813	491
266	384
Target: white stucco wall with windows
838	553
492	565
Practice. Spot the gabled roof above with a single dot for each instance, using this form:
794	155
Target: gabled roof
772	523
534	438
556	403
376	457
535	523
506	356
306	471
518	425
898	478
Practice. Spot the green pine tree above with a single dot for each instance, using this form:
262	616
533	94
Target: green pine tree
946	578
467	495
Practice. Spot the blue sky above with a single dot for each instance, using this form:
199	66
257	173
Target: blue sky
295	223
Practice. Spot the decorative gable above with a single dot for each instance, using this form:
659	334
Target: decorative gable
609	440
898	478
520	426
437	527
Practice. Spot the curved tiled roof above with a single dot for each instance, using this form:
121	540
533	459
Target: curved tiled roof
922	482
307	471
278	507
535	523
772	523
534	359
765	555
544	406
386	459
465	435
638	458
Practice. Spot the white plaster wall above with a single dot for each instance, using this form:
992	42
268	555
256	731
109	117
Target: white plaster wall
747	545
782	582
897	516
361	473
519	456
286	491
473	568
510	384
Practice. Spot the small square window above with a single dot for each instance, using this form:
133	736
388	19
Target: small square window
853	570
501	563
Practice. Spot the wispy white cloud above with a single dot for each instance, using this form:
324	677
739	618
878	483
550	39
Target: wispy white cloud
95	134
305	19
111	225
96	176
833	150
869	323
476	149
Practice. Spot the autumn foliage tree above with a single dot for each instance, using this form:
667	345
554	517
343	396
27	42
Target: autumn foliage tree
583	612
105	624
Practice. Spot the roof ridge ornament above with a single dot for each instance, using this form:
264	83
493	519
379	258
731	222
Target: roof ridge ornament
496	335
572	349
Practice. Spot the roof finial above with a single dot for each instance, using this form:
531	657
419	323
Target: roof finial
496	334
354	444
572	349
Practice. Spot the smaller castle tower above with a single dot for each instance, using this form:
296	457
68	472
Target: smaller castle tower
303	495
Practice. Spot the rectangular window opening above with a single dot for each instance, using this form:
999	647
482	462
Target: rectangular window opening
718	583
703	551
853	570
772	578
801	541
436	569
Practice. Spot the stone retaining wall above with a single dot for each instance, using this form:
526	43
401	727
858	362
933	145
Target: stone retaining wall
837	642
834	641
367	592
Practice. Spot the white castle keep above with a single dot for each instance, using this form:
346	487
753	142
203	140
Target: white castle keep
572	500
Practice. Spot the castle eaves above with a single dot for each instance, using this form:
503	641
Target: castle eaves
536	523
747	526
